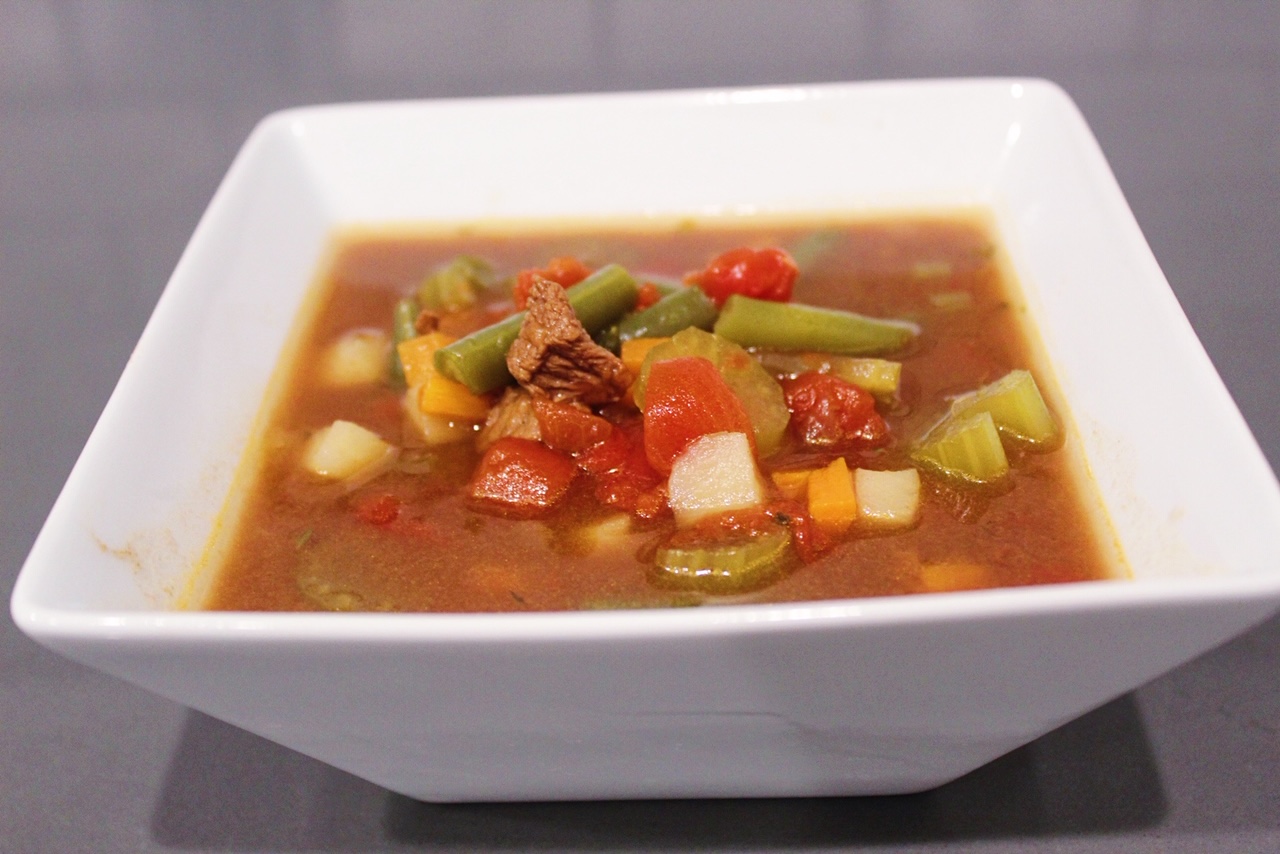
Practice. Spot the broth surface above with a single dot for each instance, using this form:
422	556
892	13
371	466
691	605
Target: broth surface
298	545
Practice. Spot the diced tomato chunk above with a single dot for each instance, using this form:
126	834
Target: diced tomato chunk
521	476
380	509
808	540
565	271
760	273
648	295
568	428
686	398
830	412
622	475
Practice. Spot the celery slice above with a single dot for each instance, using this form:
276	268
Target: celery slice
723	568
759	392
457	285
878	376
1016	406
966	448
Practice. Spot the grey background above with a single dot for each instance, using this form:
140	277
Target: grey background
117	120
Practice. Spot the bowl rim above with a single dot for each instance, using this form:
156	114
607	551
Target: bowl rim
998	603
899	610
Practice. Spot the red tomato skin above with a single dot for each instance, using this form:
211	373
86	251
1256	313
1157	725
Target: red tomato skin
826	411
622	475
521	476
565	271
568	428
768	274
380	509
647	296
686	398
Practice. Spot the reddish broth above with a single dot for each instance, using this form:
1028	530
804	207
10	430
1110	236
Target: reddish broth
303	545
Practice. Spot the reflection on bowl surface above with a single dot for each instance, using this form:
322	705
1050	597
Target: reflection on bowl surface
873	694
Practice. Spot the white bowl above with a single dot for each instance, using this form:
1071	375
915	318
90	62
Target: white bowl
842	697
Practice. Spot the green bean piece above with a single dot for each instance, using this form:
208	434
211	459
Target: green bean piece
403	327
666	285
479	361
608	338
680	310
794	326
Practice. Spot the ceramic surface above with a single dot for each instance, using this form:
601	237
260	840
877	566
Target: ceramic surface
844	697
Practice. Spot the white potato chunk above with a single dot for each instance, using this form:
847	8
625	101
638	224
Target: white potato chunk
611	534
435	429
889	499
359	357
716	473
347	451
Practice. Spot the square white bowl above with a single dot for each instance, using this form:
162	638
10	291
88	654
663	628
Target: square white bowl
840	697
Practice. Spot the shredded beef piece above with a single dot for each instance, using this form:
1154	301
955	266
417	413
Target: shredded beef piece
426	322
512	415
554	355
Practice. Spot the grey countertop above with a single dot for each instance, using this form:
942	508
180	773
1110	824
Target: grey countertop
117	120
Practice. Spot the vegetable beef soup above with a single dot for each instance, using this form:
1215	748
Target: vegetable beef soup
642	417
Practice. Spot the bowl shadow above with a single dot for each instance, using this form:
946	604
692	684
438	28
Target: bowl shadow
227	789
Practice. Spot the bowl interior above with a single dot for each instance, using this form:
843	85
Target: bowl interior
1186	490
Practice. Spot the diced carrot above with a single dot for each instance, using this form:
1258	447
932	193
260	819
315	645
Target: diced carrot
521	476
635	350
418	355
568	428
832	502
439	395
955	575
686	398
793	485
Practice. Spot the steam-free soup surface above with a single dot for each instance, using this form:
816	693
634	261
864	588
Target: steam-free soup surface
415	537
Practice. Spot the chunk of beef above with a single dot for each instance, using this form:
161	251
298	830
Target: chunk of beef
554	355
512	415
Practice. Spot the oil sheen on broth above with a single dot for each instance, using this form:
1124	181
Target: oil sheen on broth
413	538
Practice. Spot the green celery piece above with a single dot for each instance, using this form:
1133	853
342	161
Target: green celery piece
1016	407
791	326
723	568
759	392
456	285
966	448
881	377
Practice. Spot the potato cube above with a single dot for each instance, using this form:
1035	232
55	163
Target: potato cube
887	499
346	451
359	357
716	473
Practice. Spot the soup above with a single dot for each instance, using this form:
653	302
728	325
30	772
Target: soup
680	416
